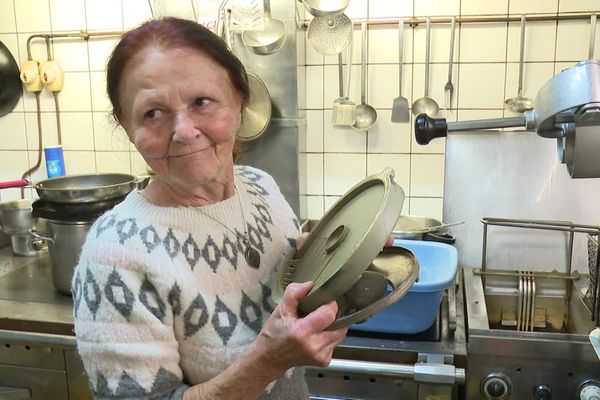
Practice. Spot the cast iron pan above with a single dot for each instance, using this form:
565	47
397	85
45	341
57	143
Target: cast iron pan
10	84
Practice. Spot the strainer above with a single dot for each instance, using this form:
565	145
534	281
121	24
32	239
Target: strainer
330	34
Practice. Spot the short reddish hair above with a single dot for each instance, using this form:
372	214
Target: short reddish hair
166	33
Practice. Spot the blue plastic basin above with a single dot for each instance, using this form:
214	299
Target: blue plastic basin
417	310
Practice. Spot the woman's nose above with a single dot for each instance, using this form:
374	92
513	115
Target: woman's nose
185	128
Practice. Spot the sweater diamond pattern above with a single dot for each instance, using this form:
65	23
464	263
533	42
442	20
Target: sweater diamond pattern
119	295
76	294
150	238
104	223
150	298
171	244
230	250
191	251
126	229
174	299
211	253
267	300
250	313
223	320
91	293
195	317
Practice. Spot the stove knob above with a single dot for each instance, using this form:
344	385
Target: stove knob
496	386
590	391
542	392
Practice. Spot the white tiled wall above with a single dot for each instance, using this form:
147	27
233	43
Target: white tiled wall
484	75
332	159
91	141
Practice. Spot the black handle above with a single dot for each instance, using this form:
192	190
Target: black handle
439	237
427	128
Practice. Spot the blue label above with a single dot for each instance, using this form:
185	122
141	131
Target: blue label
54	168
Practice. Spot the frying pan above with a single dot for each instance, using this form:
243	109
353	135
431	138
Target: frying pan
422	228
86	188
10	83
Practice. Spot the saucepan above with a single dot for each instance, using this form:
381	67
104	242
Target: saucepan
414	227
85	188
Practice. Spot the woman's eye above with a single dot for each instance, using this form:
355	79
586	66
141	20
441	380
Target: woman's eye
150	114
201	101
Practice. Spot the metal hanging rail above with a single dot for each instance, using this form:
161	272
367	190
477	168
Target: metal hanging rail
415	21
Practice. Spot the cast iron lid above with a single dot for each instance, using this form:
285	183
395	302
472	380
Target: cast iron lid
344	243
72	212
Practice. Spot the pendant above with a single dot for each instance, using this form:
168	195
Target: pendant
251	255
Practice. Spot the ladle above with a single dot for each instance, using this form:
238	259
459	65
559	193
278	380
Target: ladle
365	115
269	40
425	104
520	104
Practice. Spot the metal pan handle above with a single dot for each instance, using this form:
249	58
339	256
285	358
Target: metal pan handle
14	184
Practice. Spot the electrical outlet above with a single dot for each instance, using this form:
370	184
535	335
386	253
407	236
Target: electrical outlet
30	76
52	75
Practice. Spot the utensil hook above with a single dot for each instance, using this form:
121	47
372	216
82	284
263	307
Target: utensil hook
427	55
593	19
521	56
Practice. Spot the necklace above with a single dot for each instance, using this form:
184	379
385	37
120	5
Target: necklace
251	255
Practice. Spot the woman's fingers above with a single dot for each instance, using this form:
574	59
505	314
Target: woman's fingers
322	317
294	292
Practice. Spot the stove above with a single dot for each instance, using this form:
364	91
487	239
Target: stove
528	330
378	366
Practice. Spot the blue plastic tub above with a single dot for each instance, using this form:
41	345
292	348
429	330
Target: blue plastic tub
417	310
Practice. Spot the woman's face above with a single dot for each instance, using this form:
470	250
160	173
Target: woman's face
181	111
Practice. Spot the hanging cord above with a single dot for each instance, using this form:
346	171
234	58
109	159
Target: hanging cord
57	110
39	157
39	117
50	57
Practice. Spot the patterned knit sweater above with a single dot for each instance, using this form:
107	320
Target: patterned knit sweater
164	298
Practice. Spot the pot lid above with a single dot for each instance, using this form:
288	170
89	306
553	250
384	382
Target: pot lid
344	243
10	83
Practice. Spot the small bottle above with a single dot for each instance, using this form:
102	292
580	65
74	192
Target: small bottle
55	162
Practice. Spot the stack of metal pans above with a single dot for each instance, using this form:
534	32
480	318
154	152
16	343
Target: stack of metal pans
343	254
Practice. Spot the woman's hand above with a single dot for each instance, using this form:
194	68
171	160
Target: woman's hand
287	340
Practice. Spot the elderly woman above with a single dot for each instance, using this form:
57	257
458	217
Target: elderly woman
173	289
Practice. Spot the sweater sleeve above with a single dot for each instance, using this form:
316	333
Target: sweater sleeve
124	327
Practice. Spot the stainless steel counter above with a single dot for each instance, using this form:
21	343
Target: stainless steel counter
28	301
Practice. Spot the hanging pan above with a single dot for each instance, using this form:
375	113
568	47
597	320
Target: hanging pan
256	114
10	83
